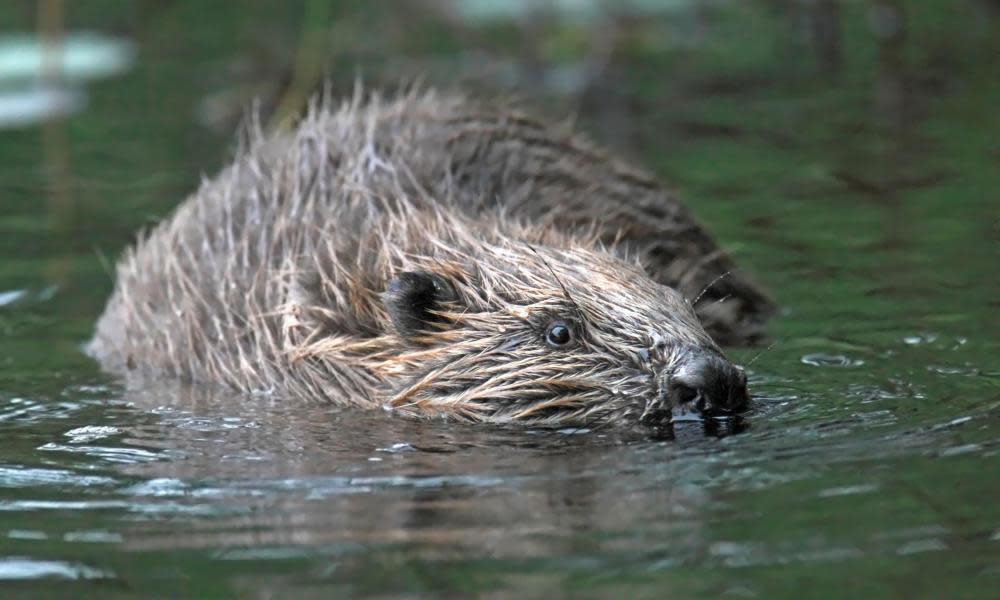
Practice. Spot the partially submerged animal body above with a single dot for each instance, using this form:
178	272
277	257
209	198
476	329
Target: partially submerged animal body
437	256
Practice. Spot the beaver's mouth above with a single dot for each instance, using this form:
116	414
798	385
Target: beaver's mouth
691	403
692	408
693	425
693	418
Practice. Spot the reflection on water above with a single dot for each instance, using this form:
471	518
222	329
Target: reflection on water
852	172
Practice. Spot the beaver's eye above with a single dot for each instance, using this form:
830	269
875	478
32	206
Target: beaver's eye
558	335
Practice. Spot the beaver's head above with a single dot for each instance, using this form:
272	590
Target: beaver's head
547	335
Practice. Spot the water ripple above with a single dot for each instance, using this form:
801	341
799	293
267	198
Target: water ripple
28	411
831	360
114	454
16	477
159	508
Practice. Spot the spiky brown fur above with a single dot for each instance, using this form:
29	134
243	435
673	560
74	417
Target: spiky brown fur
270	278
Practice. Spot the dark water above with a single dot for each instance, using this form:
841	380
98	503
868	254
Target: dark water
862	190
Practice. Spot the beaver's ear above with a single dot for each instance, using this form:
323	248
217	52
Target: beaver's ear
412	296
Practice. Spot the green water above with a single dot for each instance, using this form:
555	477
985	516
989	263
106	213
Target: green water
864	195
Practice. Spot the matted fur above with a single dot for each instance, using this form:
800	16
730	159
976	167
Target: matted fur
269	278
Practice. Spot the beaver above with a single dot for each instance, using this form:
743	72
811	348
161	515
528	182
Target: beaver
437	255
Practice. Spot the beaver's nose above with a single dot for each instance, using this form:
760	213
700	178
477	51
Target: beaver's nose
708	383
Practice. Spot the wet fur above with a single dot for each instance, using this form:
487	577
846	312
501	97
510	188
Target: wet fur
271	277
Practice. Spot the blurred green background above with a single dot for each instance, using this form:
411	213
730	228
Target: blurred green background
878	118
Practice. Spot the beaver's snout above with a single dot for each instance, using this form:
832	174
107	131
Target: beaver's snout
707	383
